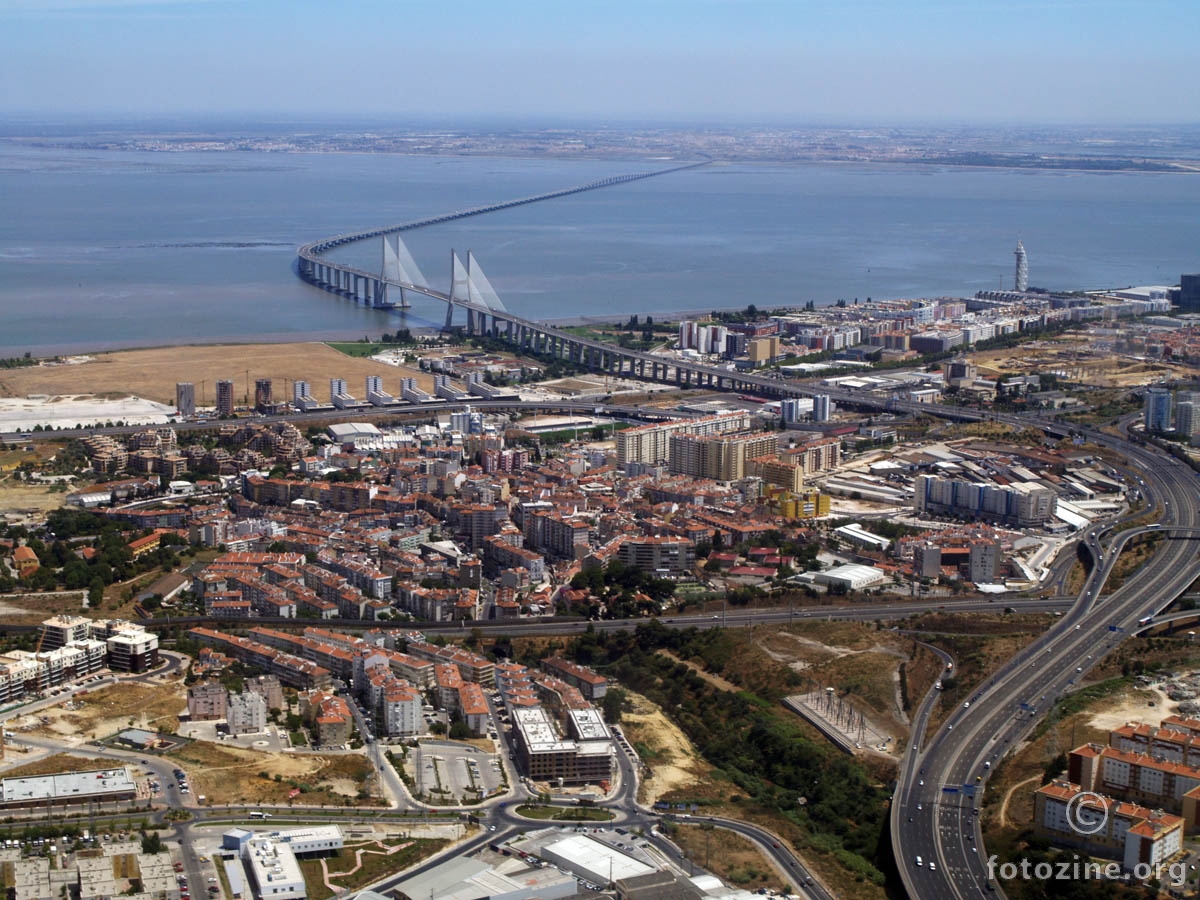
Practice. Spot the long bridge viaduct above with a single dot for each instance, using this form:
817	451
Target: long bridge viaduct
371	287
487	317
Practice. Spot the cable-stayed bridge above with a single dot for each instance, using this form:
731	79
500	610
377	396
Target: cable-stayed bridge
399	272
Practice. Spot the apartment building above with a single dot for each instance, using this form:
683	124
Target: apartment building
268	687
665	555
1131	833
500	554
224	398
246	713
1133	776
1017	504
185	398
291	670
716	457
821	455
651	444
328	715
207	700
62	630
786	474
472	666
132	650
590	684
545	755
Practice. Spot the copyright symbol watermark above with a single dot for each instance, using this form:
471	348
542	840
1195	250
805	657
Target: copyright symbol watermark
1087	813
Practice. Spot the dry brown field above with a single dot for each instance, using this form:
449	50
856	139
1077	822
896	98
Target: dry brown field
676	764
1079	360
234	775
729	856
152	373
57	764
99	713
20	499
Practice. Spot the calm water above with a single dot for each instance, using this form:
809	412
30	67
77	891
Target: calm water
123	249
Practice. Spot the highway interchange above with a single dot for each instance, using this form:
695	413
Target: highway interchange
935	811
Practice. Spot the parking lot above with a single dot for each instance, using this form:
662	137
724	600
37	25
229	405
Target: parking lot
457	771
273	740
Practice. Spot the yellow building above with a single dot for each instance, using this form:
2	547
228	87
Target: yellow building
797	505
762	350
778	473
26	561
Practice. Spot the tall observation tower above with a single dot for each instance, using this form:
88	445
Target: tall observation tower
1022	281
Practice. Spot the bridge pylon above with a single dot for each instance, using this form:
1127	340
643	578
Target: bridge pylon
399	268
460	287
479	289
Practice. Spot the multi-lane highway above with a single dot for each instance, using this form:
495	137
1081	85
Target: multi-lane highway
934	816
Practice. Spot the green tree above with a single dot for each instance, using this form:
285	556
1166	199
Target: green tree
612	703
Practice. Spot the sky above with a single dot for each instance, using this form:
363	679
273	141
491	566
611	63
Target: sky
607	61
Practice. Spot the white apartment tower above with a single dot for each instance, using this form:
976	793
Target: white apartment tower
1021	283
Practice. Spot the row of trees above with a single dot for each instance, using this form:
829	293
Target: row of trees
762	752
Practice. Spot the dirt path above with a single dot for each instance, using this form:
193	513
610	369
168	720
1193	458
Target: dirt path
715	680
1008	796
898	701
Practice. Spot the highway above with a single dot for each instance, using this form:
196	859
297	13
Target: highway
934	814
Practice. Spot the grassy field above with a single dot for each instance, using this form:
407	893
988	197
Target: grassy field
1132	558
727	855
561	814
32	609
362	350
346	872
152	374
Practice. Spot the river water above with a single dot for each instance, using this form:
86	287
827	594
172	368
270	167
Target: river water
114	249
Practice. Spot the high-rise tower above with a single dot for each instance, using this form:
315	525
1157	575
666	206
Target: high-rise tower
224	398
185	398
262	394
1022	280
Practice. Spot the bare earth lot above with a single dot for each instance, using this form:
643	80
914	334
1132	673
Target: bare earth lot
55	765
664	748
233	775
153	373
100	713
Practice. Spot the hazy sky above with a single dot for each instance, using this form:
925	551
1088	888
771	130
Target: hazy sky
587	60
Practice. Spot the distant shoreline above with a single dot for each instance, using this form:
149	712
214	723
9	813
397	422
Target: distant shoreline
527	149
